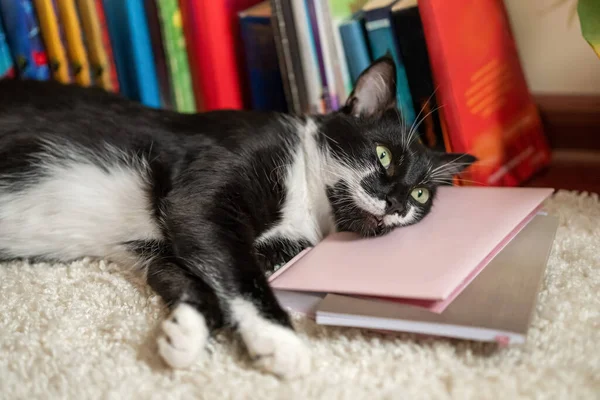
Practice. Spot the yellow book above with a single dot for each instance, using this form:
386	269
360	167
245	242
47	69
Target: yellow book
95	45
75	43
57	54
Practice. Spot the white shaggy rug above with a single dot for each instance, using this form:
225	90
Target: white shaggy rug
86	331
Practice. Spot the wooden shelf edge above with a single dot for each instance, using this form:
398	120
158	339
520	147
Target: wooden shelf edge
571	121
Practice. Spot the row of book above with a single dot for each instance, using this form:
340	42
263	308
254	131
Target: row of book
459	77
183	55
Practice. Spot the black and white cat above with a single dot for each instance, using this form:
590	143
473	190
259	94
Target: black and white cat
207	204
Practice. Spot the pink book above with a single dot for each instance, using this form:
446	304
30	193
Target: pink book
427	264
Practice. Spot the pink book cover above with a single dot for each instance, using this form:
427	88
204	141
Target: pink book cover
427	264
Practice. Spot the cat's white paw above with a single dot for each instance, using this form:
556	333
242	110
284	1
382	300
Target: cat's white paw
274	348
183	337
278	350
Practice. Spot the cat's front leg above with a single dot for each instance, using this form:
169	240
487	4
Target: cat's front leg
274	346
227	264
194	312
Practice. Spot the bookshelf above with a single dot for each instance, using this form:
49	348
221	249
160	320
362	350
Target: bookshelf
572	124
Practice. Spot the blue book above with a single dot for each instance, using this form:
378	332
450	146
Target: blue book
355	46
132	47
266	85
24	39
6	63
381	36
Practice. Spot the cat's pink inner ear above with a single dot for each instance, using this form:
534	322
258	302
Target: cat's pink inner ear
375	90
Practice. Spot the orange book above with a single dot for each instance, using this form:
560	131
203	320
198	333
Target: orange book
487	108
75	42
100	58
53	39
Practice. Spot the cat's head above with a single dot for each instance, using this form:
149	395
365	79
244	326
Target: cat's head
381	176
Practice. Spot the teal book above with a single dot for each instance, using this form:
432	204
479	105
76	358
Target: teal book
134	57
6	64
356	49
381	37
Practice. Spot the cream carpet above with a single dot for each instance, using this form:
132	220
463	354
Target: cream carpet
86	331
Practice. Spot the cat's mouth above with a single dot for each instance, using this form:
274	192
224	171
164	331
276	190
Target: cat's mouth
376	224
377	220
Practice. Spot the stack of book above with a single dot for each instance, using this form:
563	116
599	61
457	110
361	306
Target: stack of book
471	269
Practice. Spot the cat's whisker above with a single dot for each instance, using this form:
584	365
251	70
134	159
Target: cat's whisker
453	162
448	169
455	179
418	115
414	129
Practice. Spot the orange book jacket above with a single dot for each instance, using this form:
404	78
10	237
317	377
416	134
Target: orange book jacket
487	108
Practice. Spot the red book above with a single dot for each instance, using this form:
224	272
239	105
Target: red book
487	108
215	51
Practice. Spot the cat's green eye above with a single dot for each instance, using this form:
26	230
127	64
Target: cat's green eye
384	155
420	194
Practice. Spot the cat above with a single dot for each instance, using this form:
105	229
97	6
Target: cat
207	204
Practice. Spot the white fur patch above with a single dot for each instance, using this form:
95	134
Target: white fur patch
275	348
183	337
368	203
306	213
76	210
396	220
353	176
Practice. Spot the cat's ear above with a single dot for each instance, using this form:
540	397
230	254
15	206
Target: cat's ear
450	164
375	90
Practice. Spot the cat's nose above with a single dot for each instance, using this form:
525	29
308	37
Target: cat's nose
394	206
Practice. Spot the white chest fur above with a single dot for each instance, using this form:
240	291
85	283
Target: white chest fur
306	213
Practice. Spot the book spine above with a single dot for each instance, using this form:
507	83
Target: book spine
24	39
413	49
334	52
192	47
53	40
295	56
308	56
174	40
94	44
261	60
327	96
290	81
116	23
7	69
340	12
217	57
76	49
487	105
381	39
355	47
159	51
108	47
145	75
